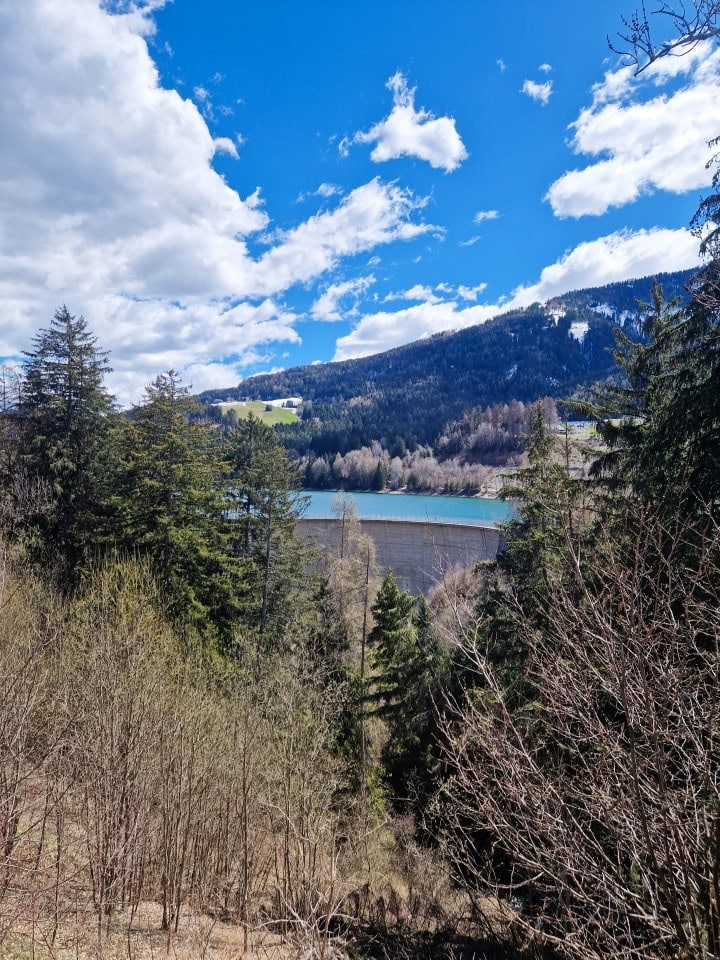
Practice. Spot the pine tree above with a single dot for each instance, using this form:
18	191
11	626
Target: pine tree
549	506
264	489
679	453
544	495
625	407
63	410
393	641
175	510
665	446
411	670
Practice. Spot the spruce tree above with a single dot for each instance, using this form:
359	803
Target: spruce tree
625	408
393	641
661	418
263	489
63	410
411	670
175	510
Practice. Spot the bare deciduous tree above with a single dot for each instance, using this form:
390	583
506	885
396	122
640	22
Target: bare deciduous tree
689	24
601	796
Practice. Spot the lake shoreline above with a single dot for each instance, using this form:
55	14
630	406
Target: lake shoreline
417	507
405	493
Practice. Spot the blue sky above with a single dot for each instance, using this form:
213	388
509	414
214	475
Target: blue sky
233	187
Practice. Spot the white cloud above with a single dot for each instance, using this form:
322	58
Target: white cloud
109	202
482	215
373	214
328	190
201	340
408	132
471	293
470	242
386	329
617	256
545	68
502	66
225	145
417	292
263	373
608	259
440	293
328	305
643	145
538	91
325	190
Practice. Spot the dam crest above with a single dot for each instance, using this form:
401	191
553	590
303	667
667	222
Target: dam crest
420	552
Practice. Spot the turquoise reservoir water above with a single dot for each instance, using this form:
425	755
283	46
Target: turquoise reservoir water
475	511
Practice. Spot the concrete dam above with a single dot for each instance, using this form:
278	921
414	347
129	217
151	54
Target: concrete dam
419	551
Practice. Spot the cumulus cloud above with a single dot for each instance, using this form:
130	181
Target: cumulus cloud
408	132
226	145
325	190
471	293
440	293
608	259
501	65
617	256
538	91
328	190
482	215
109	202
372	214
419	291
328	305
545	68
643	145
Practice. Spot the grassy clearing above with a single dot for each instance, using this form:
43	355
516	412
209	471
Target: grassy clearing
271	417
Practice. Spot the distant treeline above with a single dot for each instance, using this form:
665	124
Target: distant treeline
410	393
460	462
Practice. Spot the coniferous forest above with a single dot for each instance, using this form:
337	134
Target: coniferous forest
215	741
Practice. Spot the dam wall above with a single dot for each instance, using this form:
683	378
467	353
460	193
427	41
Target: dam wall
419	552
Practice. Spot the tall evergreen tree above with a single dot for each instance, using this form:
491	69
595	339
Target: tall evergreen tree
406	688
174	508
264	488
63	409
626	406
661	419
393	641
545	498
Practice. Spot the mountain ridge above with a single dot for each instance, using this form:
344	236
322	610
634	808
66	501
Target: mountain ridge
412	391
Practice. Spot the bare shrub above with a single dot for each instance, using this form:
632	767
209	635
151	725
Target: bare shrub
599	798
134	770
30	738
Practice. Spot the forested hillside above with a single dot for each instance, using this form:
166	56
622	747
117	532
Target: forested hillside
224	739
206	728
414	391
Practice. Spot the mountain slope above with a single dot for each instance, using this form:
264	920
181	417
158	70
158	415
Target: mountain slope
411	392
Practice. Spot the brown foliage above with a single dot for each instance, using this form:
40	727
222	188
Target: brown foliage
601	793
132	771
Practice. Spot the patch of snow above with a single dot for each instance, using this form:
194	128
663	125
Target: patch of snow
284	402
511	372
556	313
579	329
604	309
